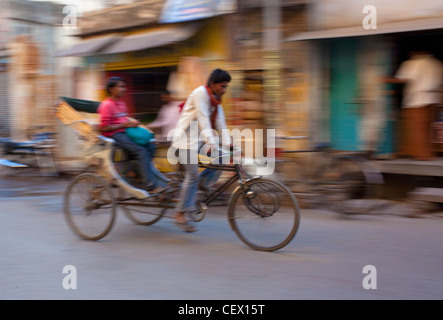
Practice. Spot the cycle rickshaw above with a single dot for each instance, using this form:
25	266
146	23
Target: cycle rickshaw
263	213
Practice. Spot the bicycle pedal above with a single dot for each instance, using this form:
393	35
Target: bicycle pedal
202	206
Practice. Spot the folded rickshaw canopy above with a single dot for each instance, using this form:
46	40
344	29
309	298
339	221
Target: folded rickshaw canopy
88	106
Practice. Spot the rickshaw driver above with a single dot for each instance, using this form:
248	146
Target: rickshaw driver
113	122
202	111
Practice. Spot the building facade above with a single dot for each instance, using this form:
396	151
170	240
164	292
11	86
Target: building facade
27	70
243	37
352	46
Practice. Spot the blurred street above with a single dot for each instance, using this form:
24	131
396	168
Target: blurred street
324	261
358	87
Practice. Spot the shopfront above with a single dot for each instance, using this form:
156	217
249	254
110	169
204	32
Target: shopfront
359	110
356	109
148	58
430	41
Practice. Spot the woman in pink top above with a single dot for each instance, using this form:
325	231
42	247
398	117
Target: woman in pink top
113	122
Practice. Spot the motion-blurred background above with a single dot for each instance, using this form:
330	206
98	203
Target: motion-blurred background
310	68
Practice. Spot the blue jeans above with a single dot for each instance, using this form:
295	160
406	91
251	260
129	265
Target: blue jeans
188	196
152	178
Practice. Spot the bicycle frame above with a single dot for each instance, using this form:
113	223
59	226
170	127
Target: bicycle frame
240	174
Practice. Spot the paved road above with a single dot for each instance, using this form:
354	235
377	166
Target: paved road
324	261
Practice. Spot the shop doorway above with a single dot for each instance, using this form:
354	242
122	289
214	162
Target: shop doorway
431	41
344	115
144	90
359	115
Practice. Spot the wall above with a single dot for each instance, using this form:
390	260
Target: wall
29	63
328	14
297	79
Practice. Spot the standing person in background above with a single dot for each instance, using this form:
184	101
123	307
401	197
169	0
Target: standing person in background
113	122
373	107
422	76
202	109
167	116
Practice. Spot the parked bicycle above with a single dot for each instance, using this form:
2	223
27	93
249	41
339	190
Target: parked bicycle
322	177
37	153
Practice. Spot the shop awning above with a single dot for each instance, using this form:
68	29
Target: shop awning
152	39
90	46
382	28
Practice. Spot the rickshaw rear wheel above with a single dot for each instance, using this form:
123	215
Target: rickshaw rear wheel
89	206
144	216
140	214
